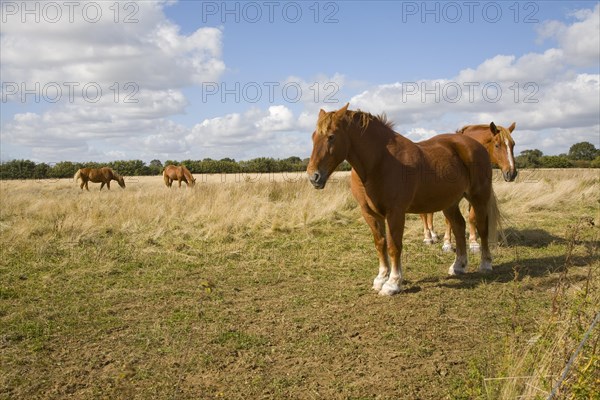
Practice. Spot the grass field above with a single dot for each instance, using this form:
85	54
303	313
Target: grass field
259	287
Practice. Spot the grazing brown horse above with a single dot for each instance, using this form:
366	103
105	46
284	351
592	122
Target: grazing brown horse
178	173
392	176
499	144
97	175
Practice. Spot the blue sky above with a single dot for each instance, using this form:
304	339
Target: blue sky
178	58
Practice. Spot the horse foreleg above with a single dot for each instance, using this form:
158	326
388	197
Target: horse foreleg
457	222
108	185
473	245
447	237
101	185
86	186
377	225
394	241
179	181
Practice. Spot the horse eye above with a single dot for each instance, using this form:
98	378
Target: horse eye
330	138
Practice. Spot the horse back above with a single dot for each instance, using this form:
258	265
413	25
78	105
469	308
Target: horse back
449	147
459	152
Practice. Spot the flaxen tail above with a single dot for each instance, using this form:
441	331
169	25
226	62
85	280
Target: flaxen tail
495	232
165	177
77	175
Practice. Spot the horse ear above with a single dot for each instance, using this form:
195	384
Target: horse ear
321	113
494	128
340	113
512	127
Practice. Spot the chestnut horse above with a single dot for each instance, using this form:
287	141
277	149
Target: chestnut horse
499	144
392	176
178	173
97	175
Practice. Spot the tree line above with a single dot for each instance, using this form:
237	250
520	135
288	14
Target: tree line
26	169
580	155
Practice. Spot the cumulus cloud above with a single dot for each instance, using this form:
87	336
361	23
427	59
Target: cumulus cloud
253	133
544	92
102	80
580	40
149	51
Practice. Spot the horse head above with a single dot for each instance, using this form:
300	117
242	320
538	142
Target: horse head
121	181
330	146
502	150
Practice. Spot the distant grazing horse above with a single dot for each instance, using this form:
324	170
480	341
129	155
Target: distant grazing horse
179	174
392	176
97	175
499	144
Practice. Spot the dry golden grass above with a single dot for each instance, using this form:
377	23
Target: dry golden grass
255	286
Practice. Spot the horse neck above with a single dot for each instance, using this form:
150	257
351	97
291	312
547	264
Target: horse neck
483	136
368	146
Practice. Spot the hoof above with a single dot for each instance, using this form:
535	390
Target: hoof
378	283
485	267
434	237
474	247
456	271
447	247
389	289
428	241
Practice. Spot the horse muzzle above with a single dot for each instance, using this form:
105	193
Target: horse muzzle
318	179
510	175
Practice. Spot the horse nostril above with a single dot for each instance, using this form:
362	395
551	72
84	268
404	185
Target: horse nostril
316	176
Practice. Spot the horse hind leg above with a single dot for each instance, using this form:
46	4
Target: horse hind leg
434	236
481	220
427	234
101	185
473	245
447	246
457	222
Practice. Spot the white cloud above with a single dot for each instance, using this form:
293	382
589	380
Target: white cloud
255	133
150	52
543	92
580	40
136	73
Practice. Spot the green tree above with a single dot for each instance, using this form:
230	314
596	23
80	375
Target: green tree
583	151
560	161
529	159
155	167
